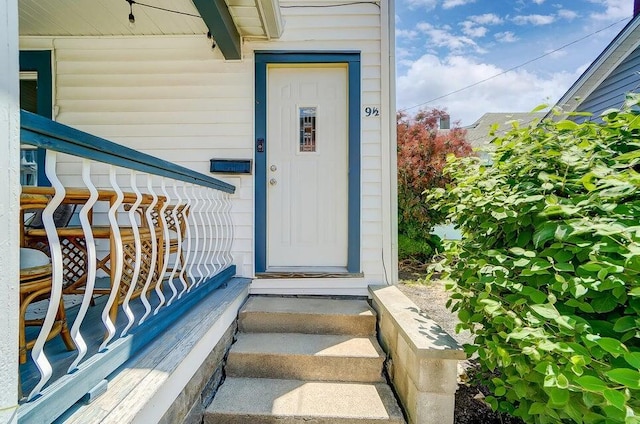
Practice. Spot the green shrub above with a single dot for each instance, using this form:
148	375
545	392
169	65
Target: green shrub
420	250
547	276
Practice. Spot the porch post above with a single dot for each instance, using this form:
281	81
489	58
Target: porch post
9	209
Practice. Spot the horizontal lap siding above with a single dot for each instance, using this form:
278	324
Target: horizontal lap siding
175	98
171	97
611	92
352	27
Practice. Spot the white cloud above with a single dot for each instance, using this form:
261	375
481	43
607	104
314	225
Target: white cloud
472	30
567	14
506	37
406	33
517	91
448	4
613	9
422	4
442	37
538	1
486	19
534	19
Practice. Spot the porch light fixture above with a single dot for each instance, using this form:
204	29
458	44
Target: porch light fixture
132	19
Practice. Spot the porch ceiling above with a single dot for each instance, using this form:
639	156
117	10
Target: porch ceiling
250	18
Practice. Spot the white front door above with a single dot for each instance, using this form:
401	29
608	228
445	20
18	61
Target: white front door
307	167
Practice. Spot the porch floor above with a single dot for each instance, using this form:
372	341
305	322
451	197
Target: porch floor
92	330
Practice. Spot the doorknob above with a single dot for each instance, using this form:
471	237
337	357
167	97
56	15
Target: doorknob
273	168
273	181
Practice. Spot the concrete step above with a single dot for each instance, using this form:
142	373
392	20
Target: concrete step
262	401
306	357
307	315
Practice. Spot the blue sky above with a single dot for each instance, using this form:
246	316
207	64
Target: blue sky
445	45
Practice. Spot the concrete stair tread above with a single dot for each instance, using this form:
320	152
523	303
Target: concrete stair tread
264	400
307	344
263	314
311	306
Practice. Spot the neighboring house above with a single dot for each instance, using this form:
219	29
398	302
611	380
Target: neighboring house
605	82
297	97
478	135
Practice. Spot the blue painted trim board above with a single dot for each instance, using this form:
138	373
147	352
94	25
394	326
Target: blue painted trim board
352	60
39	131
63	393
40	61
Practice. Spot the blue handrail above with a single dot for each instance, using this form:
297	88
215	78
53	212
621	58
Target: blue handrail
42	132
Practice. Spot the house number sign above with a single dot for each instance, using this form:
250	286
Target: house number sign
371	111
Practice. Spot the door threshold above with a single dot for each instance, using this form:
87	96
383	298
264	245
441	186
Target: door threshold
308	272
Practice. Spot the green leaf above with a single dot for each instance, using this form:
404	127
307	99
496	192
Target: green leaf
615	398
612	346
540	107
591	267
545	233
624	324
517	251
604	303
546	310
590	383
564	267
537	408
633	359
558	397
626	376
536	295
566	125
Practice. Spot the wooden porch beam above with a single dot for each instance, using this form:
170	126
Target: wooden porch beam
216	16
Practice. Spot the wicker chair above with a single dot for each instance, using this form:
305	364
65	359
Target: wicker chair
36	275
35	285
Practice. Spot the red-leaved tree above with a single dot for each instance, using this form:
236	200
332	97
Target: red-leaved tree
422	154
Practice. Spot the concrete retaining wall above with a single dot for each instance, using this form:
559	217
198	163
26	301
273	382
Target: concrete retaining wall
422	357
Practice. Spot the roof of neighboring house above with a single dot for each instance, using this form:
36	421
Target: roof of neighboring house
611	57
478	132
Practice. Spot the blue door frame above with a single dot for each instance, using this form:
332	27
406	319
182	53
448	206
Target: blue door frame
262	60
40	61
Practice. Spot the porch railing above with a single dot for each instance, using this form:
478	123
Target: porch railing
153	238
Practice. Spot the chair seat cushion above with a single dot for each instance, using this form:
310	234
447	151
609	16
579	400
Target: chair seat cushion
32	258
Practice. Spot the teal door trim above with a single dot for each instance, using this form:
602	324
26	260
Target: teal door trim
352	60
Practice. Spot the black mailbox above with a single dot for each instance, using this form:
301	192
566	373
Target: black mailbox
231	166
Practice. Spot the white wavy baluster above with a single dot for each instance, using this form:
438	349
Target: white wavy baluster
210	234
230	229
195	214
187	254
162	220
154	248
138	255
115	262
219	235
91	263
174	269
203	250
37	353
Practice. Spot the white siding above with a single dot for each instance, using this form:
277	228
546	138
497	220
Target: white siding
175	98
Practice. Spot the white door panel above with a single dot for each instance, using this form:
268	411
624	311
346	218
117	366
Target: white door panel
307	167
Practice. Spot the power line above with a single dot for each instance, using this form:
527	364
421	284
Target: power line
513	68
